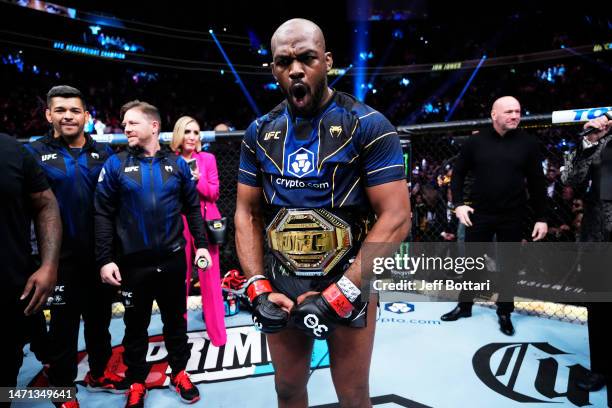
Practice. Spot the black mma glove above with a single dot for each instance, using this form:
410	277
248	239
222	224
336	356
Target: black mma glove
267	316
318	315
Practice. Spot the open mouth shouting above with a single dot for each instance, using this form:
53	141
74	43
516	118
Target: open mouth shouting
300	94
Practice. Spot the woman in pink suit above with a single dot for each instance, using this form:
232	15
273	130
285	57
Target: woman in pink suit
186	142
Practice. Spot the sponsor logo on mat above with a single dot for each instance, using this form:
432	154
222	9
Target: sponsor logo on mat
244	355
506	368
399	307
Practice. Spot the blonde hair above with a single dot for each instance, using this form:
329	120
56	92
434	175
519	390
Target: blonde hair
178	134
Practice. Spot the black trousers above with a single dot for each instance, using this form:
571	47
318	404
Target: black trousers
162	280
16	329
599	342
598	322
17	332
38	336
79	292
506	228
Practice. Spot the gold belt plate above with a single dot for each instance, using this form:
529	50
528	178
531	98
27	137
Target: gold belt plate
309	242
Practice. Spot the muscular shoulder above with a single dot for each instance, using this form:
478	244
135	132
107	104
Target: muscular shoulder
275	120
372	124
371	118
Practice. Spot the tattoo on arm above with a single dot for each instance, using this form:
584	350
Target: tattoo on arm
48	226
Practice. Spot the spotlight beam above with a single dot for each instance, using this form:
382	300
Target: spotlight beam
360	43
340	76
467	84
382	62
245	91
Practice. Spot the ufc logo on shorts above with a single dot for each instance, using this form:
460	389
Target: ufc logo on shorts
312	322
130	169
57	298
51	156
127	298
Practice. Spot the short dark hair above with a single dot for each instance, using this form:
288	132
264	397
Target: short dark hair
64	91
151	111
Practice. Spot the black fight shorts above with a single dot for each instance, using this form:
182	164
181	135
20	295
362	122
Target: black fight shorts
293	286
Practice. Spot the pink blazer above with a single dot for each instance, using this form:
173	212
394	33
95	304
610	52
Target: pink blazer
208	184
210	280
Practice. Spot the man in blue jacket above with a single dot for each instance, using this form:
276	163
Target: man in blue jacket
72	161
140	196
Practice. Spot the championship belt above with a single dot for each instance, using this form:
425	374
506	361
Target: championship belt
308	241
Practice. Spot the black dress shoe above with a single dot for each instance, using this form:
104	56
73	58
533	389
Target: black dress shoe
457	313
592	382
505	324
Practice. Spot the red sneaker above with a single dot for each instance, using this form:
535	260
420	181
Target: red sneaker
233	280
184	387
136	396
67	404
108	382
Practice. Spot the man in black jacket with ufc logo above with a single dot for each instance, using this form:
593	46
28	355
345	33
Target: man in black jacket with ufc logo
139	199
72	161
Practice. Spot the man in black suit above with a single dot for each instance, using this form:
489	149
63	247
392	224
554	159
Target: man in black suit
592	161
501	158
